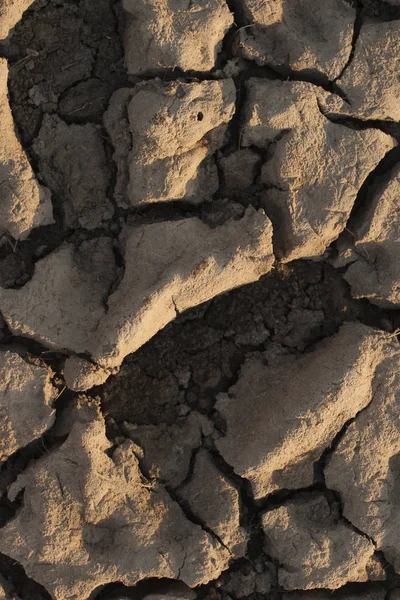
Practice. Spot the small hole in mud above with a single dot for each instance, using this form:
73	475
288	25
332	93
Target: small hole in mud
200	116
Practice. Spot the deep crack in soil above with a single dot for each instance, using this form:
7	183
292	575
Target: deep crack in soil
66	61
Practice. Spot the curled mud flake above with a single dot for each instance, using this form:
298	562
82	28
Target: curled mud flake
94	520
314	548
63	303
315	168
375	269
371	81
214	500
314	39
72	162
170	34
24	203
196	264
365	467
283	423
26	398
11	12
162	149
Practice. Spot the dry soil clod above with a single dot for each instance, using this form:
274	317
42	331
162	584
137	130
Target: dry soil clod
95	519
63	303
314	548
283	423
371	83
313	39
315	168
165	135
364	468
24	203
73	164
213	499
168	449
169	34
196	264
26	398
375	270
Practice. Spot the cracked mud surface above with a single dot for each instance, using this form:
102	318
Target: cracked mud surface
199	300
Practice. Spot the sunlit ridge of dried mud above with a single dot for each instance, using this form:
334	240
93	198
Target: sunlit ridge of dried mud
190	385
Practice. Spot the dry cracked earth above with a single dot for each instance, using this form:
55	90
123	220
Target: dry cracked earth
200	300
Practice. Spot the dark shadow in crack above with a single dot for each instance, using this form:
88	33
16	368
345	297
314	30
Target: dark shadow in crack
118	591
25	588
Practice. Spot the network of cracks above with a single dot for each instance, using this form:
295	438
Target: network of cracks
200	389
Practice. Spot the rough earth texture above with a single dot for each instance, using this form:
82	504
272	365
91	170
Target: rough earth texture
215	501
98	512
170	34
370	82
292	35
309	158
199	307
11	12
314	548
364	466
73	164
165	135
373	273
326	388
25	204
196	261
27	395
